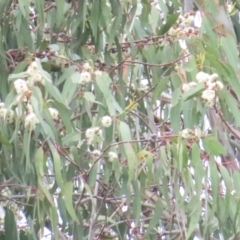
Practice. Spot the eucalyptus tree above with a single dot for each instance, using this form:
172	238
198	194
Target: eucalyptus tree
119	119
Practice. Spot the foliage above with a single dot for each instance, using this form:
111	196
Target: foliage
119	120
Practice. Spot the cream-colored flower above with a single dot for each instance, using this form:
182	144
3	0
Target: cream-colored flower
209	103
185	87
112	156
202	77
188	133
9	118
54	113
219	86
96	153
31	121
32	68
192	84
20	86
208	95
86	66
3	112
85	77
213	77
106	121
98	73
98	131
90	132
2	105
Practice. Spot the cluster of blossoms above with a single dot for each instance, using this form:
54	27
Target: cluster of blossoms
91	133
187	86
182	28
34	75
212	87
111	155
31	121
87	74
143	88
5	114
190	133
23	89
60	60
96	131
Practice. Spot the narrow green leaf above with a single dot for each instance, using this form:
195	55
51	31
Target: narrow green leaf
193	92
136	201
171	19
125	134
194	218
212	145
68	191
57	167
60	11
176	97
214	183
230	49
103	83
10	225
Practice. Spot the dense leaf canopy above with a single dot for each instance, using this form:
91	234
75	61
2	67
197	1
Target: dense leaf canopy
119	119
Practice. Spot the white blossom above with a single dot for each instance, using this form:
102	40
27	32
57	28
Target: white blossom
219	86
38	77
96	153
85	77
98	131
185	87
192	84
2	105
208	95
9	116
31	121
106	121
54	113
90	132
86	66
32	68
213	77
188	133
21	86
98	73
29	108
202	77
3	112
112	156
